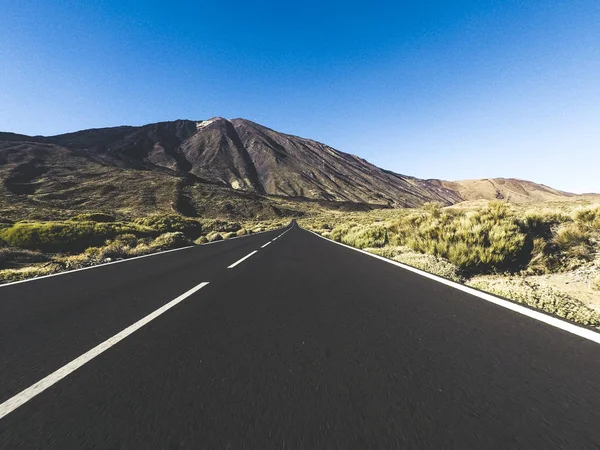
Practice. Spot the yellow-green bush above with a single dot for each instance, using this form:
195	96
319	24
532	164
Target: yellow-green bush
573	241
169	223
362	237
201	240
589	218
169	241
484	240
66	236
222	226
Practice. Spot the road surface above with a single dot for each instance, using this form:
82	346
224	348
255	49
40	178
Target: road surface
302	344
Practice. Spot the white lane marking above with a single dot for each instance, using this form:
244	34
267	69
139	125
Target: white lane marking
241	260
95	267
24	396
263	246
125	260
542	317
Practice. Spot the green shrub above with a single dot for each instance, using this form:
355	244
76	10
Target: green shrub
169	241
481	241
573	241
220	226
363	237
168	223
66	236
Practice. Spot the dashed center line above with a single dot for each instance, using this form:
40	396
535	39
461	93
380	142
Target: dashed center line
241	260
263	246
24	396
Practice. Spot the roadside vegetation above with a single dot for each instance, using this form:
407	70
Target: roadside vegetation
496	247
35	248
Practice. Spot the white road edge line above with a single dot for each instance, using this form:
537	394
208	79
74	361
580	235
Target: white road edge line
24	396
263	246
552	321
241	260
126	260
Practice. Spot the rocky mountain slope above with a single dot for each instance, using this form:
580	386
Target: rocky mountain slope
190	166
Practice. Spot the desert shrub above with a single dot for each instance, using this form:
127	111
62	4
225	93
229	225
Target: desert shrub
93	217
434	209
10	275
128	239
241	232
431	264
169	223
211	237
201	240
170	241
228	235
389	251
341	230
589	218
216	225
481	241
362	237
574	242
596	284
543	298
66	236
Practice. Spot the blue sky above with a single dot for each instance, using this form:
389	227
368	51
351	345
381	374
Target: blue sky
434	89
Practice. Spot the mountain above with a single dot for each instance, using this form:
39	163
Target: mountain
216	166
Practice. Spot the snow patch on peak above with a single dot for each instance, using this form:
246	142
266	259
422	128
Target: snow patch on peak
204	123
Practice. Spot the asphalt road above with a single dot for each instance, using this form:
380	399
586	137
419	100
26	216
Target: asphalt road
304	344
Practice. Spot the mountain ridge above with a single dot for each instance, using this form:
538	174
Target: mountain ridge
236	154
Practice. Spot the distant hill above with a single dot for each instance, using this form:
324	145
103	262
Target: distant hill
510	189
218	167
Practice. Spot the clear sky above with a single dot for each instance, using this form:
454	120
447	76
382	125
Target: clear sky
436	89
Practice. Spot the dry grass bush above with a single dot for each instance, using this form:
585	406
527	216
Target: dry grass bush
544	298
428	263
67	237
596	284
169	223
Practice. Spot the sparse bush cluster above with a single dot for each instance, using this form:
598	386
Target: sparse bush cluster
171	223
67	237
544	298
29	249
460	243
490	239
